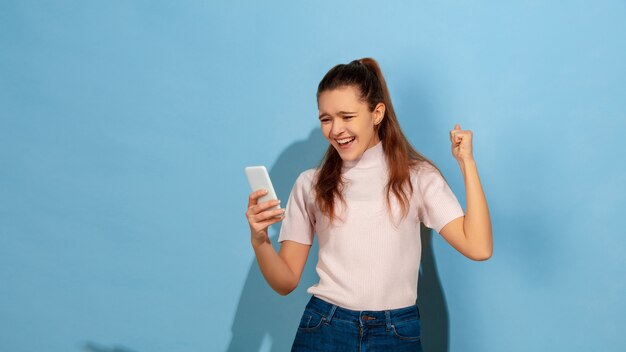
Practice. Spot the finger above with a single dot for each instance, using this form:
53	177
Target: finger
258	208
457	136
463	136
253	198
265	224
454	132
268	215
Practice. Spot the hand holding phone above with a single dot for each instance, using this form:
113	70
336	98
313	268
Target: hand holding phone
264	210
259	178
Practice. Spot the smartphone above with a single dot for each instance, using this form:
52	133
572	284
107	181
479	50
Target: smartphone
259	178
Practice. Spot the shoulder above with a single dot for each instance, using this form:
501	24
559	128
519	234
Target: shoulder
424	171
307	177
304	188
426	178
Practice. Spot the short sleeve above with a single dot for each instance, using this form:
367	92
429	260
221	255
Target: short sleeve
299	222
438	204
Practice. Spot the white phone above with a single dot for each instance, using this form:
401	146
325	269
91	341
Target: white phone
259	178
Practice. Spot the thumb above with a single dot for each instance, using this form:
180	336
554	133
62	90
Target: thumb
457	127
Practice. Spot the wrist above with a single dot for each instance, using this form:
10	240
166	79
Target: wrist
259	242
467	164
467	161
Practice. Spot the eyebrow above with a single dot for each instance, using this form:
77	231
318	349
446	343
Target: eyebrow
340	113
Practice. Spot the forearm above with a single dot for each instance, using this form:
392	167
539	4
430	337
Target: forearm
276	272
477	223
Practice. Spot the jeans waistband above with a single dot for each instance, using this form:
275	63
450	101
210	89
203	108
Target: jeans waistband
363	317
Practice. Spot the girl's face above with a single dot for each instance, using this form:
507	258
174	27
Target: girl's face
347	122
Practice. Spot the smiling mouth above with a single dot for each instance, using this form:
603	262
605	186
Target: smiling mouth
345	141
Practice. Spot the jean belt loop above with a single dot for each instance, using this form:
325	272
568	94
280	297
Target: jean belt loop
333	308
388	319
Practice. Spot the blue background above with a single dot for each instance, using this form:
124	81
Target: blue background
125	127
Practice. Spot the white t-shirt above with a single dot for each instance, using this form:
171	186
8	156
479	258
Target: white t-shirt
368	261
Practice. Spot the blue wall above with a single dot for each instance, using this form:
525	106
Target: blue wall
125	127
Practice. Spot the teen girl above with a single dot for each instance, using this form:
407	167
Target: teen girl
365	202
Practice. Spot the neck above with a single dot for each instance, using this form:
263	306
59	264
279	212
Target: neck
372	157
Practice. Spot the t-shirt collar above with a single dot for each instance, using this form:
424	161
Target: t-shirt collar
372	157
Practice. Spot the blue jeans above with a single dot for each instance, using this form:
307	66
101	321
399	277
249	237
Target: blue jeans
328	327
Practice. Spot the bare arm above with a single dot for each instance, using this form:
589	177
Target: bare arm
470	234
281	270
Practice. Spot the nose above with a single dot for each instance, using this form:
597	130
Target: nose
337	128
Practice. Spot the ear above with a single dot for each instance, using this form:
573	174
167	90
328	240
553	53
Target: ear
379	113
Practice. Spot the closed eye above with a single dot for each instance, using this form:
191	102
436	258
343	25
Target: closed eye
326	119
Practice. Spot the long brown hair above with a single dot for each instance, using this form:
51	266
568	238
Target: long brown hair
365	75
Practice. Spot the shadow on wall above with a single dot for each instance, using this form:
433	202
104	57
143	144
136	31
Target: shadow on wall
268	321
431	299
263	316
93	347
